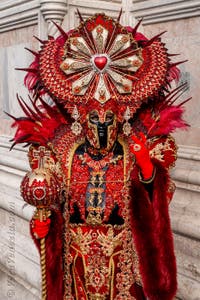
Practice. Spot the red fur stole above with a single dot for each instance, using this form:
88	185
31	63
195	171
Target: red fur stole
153	236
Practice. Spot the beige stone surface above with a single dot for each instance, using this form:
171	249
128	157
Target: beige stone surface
158	11
13	55
185	220
19	36
183	37
188	263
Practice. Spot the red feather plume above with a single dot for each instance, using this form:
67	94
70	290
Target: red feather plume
166	121
174	74
39	125
162	117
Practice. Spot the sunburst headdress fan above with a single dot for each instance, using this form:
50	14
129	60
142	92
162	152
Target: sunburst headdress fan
100	63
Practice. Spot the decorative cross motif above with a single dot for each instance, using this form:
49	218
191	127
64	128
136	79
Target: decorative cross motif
41	154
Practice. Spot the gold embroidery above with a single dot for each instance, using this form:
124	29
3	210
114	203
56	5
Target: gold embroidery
157	151
107	241
64	147
97	297
93	218
97	271
96	246
100	269
125	278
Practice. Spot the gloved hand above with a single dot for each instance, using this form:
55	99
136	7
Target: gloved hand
40	229
142	157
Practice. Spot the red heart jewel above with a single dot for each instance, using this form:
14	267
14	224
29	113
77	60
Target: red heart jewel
39	193
100	62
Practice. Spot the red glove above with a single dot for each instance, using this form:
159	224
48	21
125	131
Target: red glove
141	153
40	229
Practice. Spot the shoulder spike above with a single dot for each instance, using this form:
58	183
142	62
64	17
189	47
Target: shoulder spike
175	92
136	27
27	110
41	41
50	37
37	110
33	52
9	115
63	33
27	113
177	63
173	54
32	70
185	101
80	16
148	43
119	17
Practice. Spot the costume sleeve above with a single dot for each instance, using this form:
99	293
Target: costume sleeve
164	150
152	231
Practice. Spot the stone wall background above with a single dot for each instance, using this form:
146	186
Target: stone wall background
19	21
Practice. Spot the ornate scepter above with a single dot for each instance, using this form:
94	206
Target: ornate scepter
41	189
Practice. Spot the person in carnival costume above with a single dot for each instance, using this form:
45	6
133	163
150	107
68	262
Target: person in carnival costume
100	159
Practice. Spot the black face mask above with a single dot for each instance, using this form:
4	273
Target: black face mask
102	128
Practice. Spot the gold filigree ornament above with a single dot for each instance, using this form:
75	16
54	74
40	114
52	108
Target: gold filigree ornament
98	56
97	297
94	218
109	241
76	126
127	127
97	246
159	150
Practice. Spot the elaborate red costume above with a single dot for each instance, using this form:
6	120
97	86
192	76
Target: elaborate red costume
101	181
